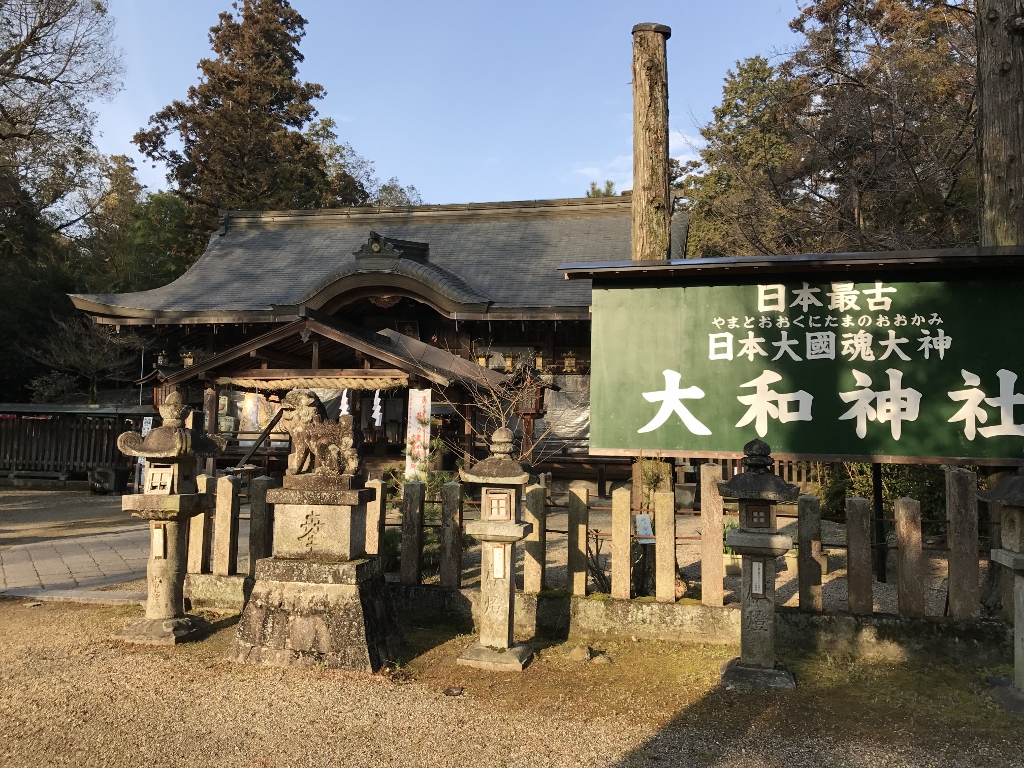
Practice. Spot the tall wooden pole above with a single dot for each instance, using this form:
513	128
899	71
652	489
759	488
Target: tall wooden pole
651	207
1000	30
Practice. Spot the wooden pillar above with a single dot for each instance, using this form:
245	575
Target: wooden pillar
211	402
535	545
413	497
579	519
859	577
651	202
200	533
225	527
665	546
376	509
962	539
636	485
809	554
260	530
622	539
910	558
712	528
1000	121
451	535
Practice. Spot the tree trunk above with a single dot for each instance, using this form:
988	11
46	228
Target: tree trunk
1000	24
651	204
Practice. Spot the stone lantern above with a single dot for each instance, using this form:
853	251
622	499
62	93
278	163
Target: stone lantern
502	481
1010	493
758	490
169	498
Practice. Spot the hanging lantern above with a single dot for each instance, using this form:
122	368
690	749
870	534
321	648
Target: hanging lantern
569	362
481	360
538	360
188	359
161	359
508	361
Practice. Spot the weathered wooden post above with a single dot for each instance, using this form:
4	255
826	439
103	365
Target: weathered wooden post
962	538
910	576
413	498
758	490
809	554
652	209
859	576
712	528
450	572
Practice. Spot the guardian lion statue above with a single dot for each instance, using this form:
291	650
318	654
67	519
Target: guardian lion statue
301	412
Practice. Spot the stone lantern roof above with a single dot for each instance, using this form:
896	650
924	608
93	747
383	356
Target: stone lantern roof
1009	491
757	481
172	440
498	468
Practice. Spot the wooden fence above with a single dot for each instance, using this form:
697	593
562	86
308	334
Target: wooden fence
59	443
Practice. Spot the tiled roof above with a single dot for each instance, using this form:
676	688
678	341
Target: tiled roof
482	258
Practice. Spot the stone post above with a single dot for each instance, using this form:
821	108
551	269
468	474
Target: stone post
665	546
535	545
451	535
910	562
225	527
259	520
200	532
376	510
413	497
962	539
165	571
622	536
579	520
859	576
712	529
809	554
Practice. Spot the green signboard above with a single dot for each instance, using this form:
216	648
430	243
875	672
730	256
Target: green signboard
890	371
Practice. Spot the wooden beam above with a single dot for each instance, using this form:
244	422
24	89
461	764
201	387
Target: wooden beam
329	373
281	358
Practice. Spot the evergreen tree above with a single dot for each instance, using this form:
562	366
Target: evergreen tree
241	128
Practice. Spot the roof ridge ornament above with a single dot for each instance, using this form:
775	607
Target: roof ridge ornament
380	246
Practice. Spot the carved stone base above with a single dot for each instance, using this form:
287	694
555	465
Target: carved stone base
734	673
308	613
162	631
512	659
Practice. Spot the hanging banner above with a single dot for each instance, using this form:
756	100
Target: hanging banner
876	370
417	434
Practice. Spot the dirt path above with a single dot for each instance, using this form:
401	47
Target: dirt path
27	517
70	696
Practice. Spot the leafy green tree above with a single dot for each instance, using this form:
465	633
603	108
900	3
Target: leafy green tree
608	190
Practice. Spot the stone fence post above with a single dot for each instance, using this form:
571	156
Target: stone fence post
809	554
622	539
859	576
579	520
375	513
665	546
962	539
260	521
910	558
451	535
200	533
712	529
413	497
225	527
535	544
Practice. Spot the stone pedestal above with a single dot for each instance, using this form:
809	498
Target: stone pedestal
320	599
495	649
166	622
1014	561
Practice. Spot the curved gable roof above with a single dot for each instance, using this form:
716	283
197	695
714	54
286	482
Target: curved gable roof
486	260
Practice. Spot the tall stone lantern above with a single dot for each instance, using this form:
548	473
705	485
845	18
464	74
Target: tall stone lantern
502	480
1010	494
758	490
170	497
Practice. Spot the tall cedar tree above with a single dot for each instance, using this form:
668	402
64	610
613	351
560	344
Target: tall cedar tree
863	139
240	129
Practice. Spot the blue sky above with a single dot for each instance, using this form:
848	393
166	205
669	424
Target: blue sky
470	101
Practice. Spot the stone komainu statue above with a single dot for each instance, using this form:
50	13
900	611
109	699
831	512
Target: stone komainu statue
302	412
332	444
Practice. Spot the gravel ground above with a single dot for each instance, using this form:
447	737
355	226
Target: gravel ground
71	696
